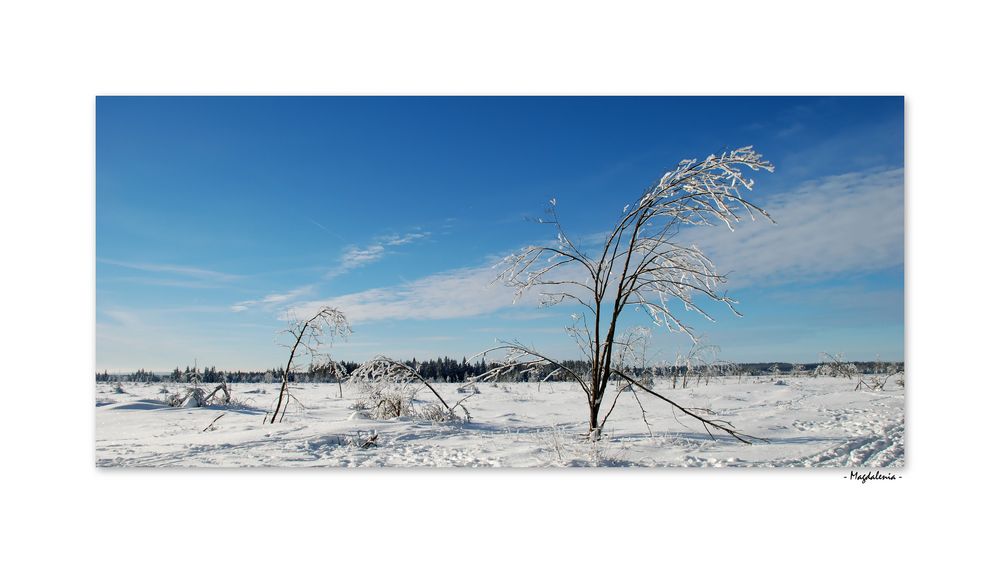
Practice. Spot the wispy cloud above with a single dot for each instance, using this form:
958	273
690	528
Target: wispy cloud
454	294
273	299
123	317
165	282
850	223
352	258
173	270
356	257
398	240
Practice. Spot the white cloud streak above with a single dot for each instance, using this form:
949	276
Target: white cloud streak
459	293
842	224
173	269
397	240
273	299
352	259
851	223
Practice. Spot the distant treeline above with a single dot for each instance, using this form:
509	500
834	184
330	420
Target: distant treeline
450	370
441	369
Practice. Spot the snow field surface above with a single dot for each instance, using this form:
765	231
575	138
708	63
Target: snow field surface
807	422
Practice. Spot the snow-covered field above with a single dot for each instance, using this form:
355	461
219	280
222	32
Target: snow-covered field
807	422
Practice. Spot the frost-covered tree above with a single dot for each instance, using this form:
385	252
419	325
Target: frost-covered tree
640	263
694	361
775	371
834	365
306	338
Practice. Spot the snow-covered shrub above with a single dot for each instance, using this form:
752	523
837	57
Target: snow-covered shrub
384	399
388	388
191	397
195	396
836	366
435	412
392	403
470	388
362	440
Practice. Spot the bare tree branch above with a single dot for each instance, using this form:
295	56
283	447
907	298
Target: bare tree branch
720	425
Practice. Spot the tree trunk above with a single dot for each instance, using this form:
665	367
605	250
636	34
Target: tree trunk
281	396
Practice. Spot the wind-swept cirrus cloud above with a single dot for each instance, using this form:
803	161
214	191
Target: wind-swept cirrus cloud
173	274
838	225
458	293
355	257
352	258
845	224
273	298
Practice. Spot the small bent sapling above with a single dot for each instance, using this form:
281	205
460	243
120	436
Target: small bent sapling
307	337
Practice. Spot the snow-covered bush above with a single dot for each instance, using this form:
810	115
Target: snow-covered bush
391	403
195	396
835	366
383	398
388	388
190	397
434	412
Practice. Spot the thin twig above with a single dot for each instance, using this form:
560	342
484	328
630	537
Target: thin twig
213	422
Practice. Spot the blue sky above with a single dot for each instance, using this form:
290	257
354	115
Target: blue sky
216	216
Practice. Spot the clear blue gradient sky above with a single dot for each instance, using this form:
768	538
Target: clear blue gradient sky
217	215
